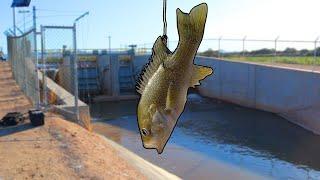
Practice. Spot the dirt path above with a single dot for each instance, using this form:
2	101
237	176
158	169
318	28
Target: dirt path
11	97
57	150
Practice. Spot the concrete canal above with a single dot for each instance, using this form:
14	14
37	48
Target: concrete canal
217	139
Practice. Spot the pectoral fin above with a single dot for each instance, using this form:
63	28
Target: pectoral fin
175	101
199	73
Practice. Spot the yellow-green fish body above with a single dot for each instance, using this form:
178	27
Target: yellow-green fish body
167	78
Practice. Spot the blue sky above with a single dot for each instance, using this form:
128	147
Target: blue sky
140	21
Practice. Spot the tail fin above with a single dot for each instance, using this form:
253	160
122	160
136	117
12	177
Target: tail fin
191	25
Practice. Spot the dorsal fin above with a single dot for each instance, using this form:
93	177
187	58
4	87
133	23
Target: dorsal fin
160	52
199	73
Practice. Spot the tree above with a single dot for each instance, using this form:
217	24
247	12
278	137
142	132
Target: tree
304	52
290	51
209	53
263	51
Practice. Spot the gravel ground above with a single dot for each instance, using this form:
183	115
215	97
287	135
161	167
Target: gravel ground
57	150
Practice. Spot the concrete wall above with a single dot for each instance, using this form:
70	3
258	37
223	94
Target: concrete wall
291	93
139	62
67	107
105	74
65	74
109	70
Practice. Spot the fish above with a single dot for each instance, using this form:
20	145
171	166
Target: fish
166	78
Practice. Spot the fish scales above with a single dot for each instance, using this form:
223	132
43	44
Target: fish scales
167	77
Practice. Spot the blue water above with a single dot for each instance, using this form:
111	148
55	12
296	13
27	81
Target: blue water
210	133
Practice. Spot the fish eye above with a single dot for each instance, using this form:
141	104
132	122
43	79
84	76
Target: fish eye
145	132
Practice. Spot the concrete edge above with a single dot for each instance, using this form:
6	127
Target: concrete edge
305	114
312	127
67	109
150	170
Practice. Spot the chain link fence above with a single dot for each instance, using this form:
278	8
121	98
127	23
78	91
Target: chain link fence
302	54
49	81
57	60
22	57
59	63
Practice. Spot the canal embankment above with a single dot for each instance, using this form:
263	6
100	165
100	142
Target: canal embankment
60	149
291	91
218	140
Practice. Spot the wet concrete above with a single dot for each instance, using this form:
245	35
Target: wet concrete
217	139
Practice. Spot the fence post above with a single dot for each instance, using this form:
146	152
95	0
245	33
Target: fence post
44	66
275	48
219	46
76	90
25	77
243	45
75	75
315	51
37	88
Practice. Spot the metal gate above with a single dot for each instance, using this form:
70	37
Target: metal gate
59	61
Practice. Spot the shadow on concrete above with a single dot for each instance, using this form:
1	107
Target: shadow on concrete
5	131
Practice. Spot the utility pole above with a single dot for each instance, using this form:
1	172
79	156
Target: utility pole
17	4
112	70
109	38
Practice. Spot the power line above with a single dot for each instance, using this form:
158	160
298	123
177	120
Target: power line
21	21
60	15
52	10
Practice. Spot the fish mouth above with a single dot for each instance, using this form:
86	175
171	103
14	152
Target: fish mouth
160	149
149	145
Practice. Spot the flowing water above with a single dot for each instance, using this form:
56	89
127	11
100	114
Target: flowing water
220	140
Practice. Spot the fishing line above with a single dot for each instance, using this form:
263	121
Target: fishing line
165	20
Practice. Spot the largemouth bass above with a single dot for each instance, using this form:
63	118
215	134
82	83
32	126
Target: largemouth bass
167	77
